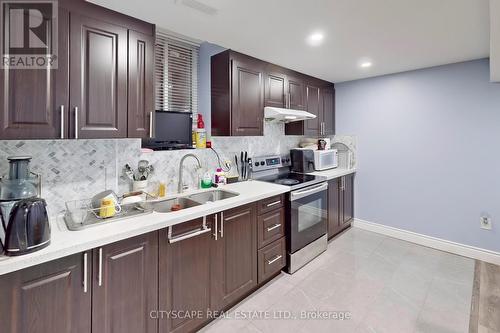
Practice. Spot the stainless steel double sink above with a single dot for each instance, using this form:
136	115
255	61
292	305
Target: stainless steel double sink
193	200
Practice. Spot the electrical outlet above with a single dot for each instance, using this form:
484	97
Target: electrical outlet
486	222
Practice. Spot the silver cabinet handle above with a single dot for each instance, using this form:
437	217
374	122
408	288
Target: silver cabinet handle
273	203
99	276
85	273
276	226
221	225
62	121
189	235
237	215
289	100
272	261
76	122
342	183
151	124
216	222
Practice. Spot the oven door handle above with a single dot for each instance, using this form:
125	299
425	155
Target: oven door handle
308	191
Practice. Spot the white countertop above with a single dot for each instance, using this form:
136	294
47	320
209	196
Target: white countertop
334	173
65	242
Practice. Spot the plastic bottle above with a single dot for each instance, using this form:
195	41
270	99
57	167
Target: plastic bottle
220	176
201	133
206	180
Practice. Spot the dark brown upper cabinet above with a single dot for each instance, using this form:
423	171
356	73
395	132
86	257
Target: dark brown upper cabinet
140	84
275	84
51	297
34	102
320	101
234	256
108	59
125	286
328	110
98	74
237	85
296	92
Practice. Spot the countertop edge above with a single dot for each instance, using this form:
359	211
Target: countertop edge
158	221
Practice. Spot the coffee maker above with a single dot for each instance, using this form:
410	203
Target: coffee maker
25	224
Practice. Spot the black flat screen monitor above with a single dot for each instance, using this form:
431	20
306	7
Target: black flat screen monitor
173	130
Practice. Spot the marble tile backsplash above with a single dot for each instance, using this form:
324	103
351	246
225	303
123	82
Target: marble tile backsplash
78	169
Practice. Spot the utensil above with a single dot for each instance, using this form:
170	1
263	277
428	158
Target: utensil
236	161
242	165
129	172
246	165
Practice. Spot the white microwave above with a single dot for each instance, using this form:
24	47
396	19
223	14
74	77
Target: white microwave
325	159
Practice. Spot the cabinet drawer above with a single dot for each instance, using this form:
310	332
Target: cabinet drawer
269	204
270	227
271	259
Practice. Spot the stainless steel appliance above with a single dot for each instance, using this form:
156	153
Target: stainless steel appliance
325	159
25	223
306	208
302	160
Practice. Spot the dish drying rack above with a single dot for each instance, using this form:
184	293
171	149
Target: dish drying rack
80	214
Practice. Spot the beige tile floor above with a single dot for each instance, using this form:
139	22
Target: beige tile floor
386	285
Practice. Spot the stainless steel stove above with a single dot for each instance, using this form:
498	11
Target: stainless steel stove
306	208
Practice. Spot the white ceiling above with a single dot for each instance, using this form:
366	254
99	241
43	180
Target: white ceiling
396	35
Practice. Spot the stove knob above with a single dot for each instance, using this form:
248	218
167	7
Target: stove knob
256	164
287	160
262	163
282	160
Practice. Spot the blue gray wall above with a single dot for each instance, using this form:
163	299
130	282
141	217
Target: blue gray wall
206	51
428	150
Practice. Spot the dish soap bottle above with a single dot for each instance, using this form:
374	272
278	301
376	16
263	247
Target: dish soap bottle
206	180
220	176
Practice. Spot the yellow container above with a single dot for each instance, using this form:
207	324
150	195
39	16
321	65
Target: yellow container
107	208
162	191
201	138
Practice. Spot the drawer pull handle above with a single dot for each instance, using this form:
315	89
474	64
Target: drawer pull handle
276	226
274	203
272	261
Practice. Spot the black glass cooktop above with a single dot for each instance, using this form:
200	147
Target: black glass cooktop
294	179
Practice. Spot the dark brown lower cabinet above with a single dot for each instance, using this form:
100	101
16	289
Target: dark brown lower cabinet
125	286
184	276
51	297
340	204
234	256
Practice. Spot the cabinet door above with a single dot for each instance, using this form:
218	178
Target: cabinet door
125	286
32	100
334	208
312	126
234	256
140	84
247	106
348	199
275	93
184	277
51	297
296	89
328	111
98	79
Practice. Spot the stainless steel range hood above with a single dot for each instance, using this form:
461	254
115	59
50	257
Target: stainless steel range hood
273	114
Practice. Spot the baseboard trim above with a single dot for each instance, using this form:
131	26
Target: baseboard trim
432	242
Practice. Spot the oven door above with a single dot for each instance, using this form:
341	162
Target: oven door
308	216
